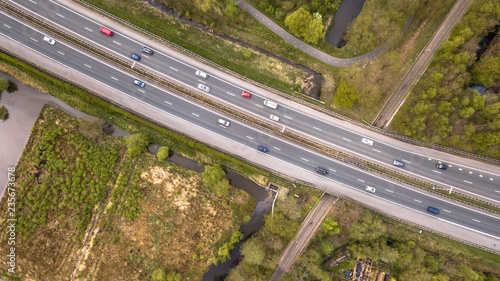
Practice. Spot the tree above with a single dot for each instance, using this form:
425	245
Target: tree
231	9
368	229
486	71
91	128
214	178
331	227
346	94
302	24
137	144
326	247
254	251
163	153
173	276
159	274
4	84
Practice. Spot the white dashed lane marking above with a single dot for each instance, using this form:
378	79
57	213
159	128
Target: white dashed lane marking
417	200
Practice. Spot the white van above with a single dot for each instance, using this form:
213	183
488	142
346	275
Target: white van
270	104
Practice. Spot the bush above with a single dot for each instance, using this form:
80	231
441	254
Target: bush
137	144
163	153
4	113
12	87
4	84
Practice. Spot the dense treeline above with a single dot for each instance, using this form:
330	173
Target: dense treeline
368	238
396	249
442	108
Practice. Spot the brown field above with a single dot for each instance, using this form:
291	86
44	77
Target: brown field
161	215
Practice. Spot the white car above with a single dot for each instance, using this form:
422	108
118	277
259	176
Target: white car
367	141
202	74
223	122
370	188
49	40
274	118
204	88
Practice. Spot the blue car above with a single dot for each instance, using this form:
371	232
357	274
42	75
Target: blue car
135	57
433	210
139	83
263	149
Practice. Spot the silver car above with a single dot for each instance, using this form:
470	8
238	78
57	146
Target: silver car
223	122
204	88
274	118
202	74
49	40
370	188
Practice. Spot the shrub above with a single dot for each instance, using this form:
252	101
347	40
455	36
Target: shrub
4	113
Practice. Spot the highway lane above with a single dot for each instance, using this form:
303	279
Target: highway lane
481	183
279	149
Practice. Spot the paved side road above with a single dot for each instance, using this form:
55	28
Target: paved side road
24	106
306	232
306	48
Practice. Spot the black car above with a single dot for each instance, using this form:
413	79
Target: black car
147	50
441	166
322	171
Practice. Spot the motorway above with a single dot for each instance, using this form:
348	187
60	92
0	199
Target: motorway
280	150
482	184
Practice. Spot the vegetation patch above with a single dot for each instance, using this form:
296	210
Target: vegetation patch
60	180
445	107
161	216
156	214
384	247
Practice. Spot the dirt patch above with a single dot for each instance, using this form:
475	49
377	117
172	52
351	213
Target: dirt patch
410	44
178	227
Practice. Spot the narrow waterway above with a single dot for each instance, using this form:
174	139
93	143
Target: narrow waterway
264	200
347	12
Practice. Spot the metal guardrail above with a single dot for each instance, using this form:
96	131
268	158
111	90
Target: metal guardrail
343	157
323	109
261	127
44	71
438	233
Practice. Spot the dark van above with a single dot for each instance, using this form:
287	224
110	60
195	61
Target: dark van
433	210
106	31
322	171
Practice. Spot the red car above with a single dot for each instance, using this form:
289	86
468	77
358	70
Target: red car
245	94
106	31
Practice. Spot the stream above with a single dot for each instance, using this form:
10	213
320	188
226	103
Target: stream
347	12
264	199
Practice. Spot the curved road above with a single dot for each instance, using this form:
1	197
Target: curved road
306	48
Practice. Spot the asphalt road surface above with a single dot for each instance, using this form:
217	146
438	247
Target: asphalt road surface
280	150
475	182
